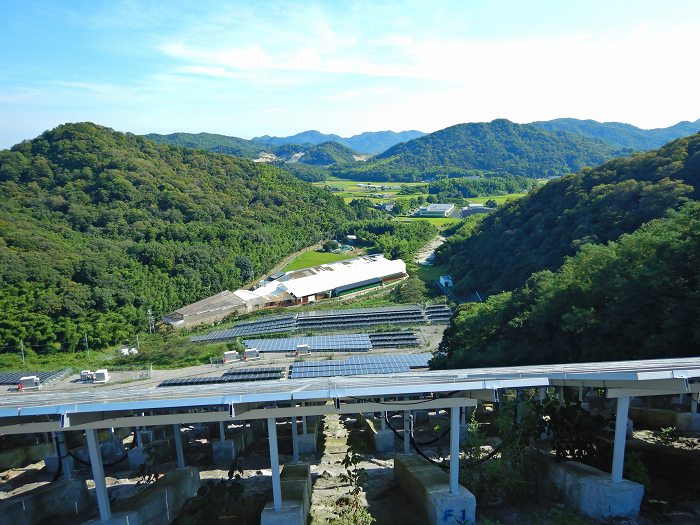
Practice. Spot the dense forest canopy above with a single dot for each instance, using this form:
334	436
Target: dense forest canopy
595	206
499	147
97	226
635	298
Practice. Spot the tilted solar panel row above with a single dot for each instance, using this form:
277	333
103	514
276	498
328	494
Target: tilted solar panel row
12	378
254	370
188	381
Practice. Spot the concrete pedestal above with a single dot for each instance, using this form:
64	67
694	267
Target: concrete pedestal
51	501
52	463
224	452
136	457
593	493
383	439
22	456
429	487
157	504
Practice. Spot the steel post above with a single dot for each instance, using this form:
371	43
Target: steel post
623	405
406	432
295	441
454	450
274	463
178	446
98	474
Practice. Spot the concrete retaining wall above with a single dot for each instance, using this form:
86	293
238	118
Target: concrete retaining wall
50	501
592	492
296	497
22	456
660	418
429	486
159	503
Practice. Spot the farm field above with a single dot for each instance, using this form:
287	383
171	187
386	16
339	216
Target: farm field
351	189
314	258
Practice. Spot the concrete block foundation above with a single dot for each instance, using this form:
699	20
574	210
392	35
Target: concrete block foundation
50	501
429	486
383	439
295	481
22	456
660	418
592	492
160	450
157	504
223	452
52	463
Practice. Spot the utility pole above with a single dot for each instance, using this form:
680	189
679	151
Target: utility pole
138	343
151	321
21	347
87	347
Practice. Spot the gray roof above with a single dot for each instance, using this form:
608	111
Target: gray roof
221	301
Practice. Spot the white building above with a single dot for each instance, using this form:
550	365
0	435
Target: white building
296	287
436	210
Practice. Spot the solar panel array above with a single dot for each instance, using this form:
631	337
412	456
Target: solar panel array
394	340
231	376
359	365
319	343
333	320
12	378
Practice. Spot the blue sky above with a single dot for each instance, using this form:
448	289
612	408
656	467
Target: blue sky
252	68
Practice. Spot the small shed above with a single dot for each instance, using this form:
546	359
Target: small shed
446	281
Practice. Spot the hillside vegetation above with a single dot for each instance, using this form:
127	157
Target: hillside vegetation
635	298
493	149
97	226
621	135
595	206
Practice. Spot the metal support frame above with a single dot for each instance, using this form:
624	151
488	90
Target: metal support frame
178	446
222	431
406	432
274	463
62	453
98	474
295	441
139	438
454	450
694	403
304	429
623	405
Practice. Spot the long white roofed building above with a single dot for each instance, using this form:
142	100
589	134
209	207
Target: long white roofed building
296	287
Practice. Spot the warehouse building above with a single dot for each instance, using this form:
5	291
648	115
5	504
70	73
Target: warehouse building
304	286
436	210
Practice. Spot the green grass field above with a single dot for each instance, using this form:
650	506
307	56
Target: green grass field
313	258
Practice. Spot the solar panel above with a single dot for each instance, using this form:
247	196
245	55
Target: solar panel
345	342
360	365
332	320
265	375
12	378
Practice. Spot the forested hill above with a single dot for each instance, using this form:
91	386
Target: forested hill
243	148
96	226
621	135
635	298
595	206
499	147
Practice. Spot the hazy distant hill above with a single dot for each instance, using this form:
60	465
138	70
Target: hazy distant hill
621	135
372	142
500	147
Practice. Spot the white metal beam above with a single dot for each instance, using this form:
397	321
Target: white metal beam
98	475
454	450
274	464
623	405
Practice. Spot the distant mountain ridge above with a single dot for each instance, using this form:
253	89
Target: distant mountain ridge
621	135
372	142
500	147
